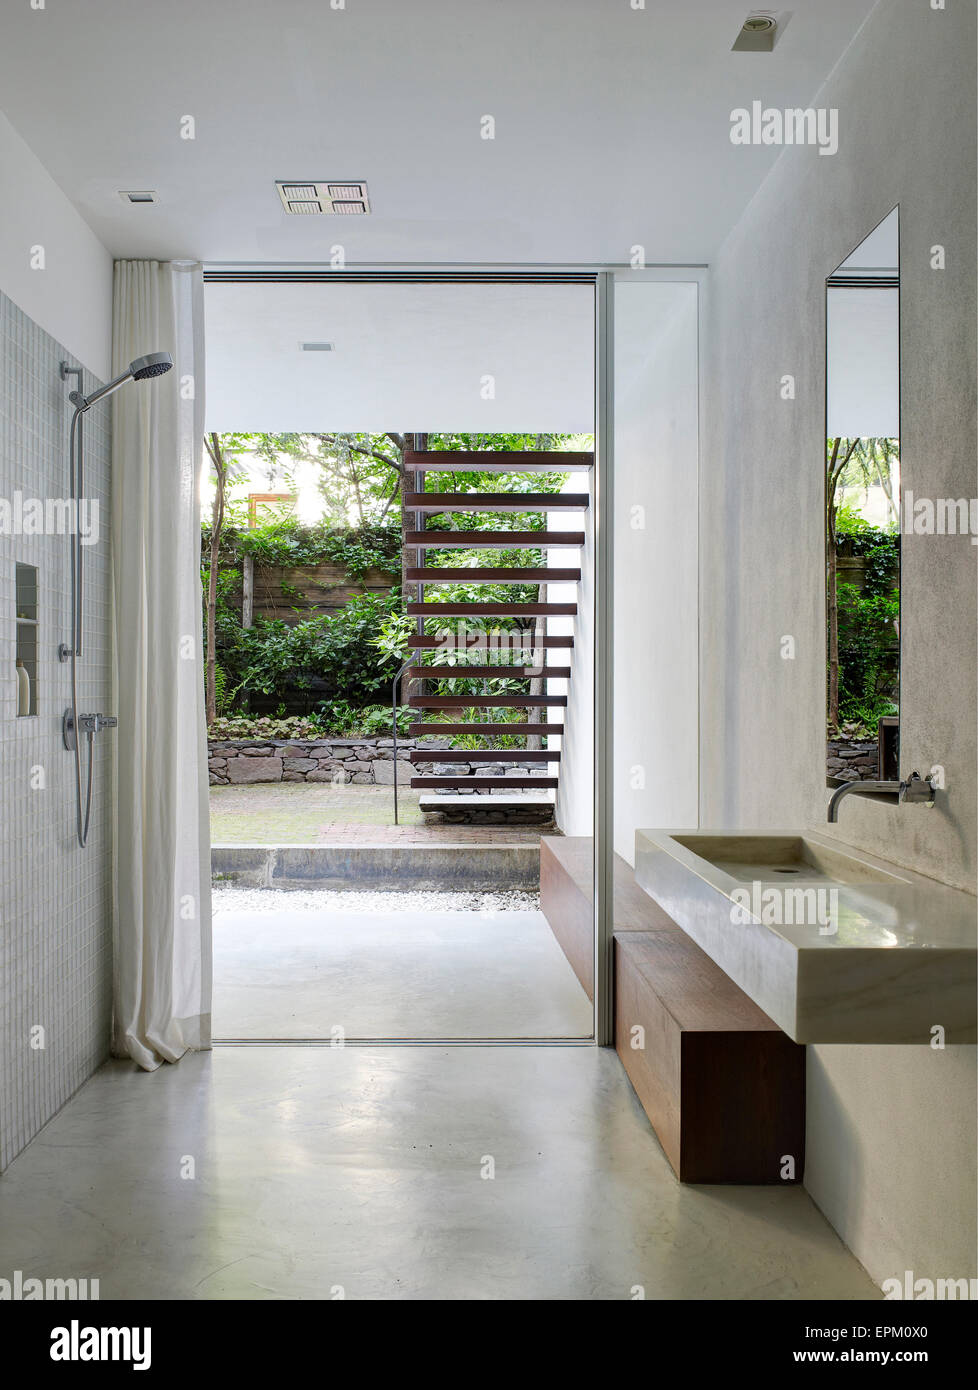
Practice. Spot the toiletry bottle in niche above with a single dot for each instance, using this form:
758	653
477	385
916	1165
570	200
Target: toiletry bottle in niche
23	689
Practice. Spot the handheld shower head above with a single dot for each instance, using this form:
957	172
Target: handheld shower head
154	364
142	369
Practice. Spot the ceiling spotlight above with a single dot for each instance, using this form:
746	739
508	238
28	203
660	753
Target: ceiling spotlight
758	34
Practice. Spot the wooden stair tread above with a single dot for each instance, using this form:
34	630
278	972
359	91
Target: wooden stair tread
495	641
515	800
488	461
495	501
484	701
498	607
483	730
487	540
501	575
508	780
483	755
461	672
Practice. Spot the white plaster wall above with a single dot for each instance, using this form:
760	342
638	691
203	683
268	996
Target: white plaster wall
656	459
71	297
891	1130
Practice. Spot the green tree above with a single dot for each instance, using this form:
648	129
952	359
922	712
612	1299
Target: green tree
850	462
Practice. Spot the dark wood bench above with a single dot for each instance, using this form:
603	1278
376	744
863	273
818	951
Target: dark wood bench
722	1085
567	900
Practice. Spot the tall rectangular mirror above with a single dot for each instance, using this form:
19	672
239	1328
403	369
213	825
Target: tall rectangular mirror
863	510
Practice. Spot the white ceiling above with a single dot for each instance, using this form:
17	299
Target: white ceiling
407	357
612	123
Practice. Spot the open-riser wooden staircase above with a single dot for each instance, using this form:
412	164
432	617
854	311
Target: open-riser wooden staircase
476	655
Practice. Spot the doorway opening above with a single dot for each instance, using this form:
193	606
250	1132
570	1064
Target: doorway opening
400	638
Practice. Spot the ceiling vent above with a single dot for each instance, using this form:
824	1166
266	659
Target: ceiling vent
304	198
318	347
760	32
139	195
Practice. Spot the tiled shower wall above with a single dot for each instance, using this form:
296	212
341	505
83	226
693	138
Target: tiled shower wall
55	898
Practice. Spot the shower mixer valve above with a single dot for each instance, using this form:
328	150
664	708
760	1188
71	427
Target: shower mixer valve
88	724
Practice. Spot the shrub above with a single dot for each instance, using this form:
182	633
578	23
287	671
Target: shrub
331	652
336	719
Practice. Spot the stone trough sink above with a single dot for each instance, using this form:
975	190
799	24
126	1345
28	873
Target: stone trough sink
836	946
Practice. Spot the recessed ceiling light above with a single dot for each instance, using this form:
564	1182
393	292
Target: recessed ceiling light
313	196
318	347
760	31
139	195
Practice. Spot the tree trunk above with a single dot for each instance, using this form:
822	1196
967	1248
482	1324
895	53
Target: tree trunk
833	476
833	606
247	608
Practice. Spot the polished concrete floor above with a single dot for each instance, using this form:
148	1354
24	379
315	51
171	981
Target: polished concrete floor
362	1169
290	973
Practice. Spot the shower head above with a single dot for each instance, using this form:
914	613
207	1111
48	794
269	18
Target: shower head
142	369
154	364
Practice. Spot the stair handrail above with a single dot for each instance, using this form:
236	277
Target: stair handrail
396	682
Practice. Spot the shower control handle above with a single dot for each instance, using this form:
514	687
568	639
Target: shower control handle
95	723
90	724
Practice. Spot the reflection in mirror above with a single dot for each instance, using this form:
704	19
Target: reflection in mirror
862	510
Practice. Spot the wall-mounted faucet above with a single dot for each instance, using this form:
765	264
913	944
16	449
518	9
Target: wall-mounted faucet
915	790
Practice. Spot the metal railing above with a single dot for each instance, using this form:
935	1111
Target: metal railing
397	680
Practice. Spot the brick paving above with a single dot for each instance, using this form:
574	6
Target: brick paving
302	813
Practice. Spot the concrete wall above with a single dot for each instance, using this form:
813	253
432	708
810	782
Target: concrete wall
891	1130
70	294
656	451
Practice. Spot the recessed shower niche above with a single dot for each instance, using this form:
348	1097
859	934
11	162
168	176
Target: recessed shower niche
25	669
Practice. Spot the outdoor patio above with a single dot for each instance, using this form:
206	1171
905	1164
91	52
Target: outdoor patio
301	813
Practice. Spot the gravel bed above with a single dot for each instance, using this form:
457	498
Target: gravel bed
232	899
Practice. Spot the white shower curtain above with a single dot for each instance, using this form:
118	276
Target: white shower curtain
162	936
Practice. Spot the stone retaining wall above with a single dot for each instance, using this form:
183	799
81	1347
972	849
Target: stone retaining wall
853	762
241	762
